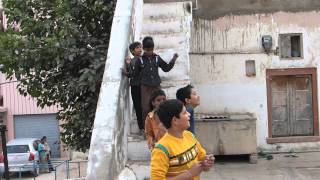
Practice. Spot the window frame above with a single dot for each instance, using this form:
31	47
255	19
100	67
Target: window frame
301	46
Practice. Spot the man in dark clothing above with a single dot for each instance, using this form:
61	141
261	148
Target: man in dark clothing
148	69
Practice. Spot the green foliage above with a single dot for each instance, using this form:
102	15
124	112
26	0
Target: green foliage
59	56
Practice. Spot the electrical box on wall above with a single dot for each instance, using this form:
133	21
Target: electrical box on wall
267	43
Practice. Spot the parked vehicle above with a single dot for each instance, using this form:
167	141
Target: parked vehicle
22	156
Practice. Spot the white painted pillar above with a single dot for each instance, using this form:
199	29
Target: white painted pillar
105	148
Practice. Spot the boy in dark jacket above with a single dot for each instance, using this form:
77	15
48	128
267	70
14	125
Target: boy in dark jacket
136	50
148	69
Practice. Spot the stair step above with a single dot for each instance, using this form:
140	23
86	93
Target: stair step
134	128
166	10
140	168
167	53
169	41
138	150
169	25
164	26
170	87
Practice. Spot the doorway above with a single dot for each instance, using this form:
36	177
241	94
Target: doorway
292	102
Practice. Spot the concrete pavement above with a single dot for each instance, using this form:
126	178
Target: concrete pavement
305	166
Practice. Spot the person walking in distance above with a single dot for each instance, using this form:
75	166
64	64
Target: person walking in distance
48	152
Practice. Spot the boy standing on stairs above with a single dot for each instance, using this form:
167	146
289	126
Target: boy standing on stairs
136	50
148	69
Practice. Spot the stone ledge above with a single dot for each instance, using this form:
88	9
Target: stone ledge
293	139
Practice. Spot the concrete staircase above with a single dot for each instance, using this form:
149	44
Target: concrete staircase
169	25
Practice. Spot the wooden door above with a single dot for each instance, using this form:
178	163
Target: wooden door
291	106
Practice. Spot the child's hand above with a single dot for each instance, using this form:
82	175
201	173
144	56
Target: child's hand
127	60
175	56
207	163
196	169
152	146
124	71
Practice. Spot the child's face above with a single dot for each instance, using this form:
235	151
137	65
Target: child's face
194	100
137	50
183	121
157	101
148	51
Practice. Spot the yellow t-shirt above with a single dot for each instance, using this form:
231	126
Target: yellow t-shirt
172	156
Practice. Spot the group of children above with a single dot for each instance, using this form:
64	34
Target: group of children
176	154
143	71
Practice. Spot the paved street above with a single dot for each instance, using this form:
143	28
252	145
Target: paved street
60	173
306	166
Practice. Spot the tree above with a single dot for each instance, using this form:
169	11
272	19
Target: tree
58	57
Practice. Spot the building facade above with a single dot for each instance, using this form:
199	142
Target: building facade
260	57
24	119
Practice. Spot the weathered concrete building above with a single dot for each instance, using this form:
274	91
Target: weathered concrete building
246	57
235	74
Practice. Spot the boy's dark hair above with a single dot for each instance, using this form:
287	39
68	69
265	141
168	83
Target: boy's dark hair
133	45
147	42
154	95
183	93
169	109
35	144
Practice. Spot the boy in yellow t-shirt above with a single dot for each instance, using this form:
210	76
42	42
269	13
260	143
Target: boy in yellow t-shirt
177	155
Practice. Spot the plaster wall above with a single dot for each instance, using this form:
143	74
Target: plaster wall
212	9
219	49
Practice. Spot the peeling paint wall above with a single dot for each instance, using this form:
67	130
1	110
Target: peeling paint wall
219	49
213	9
